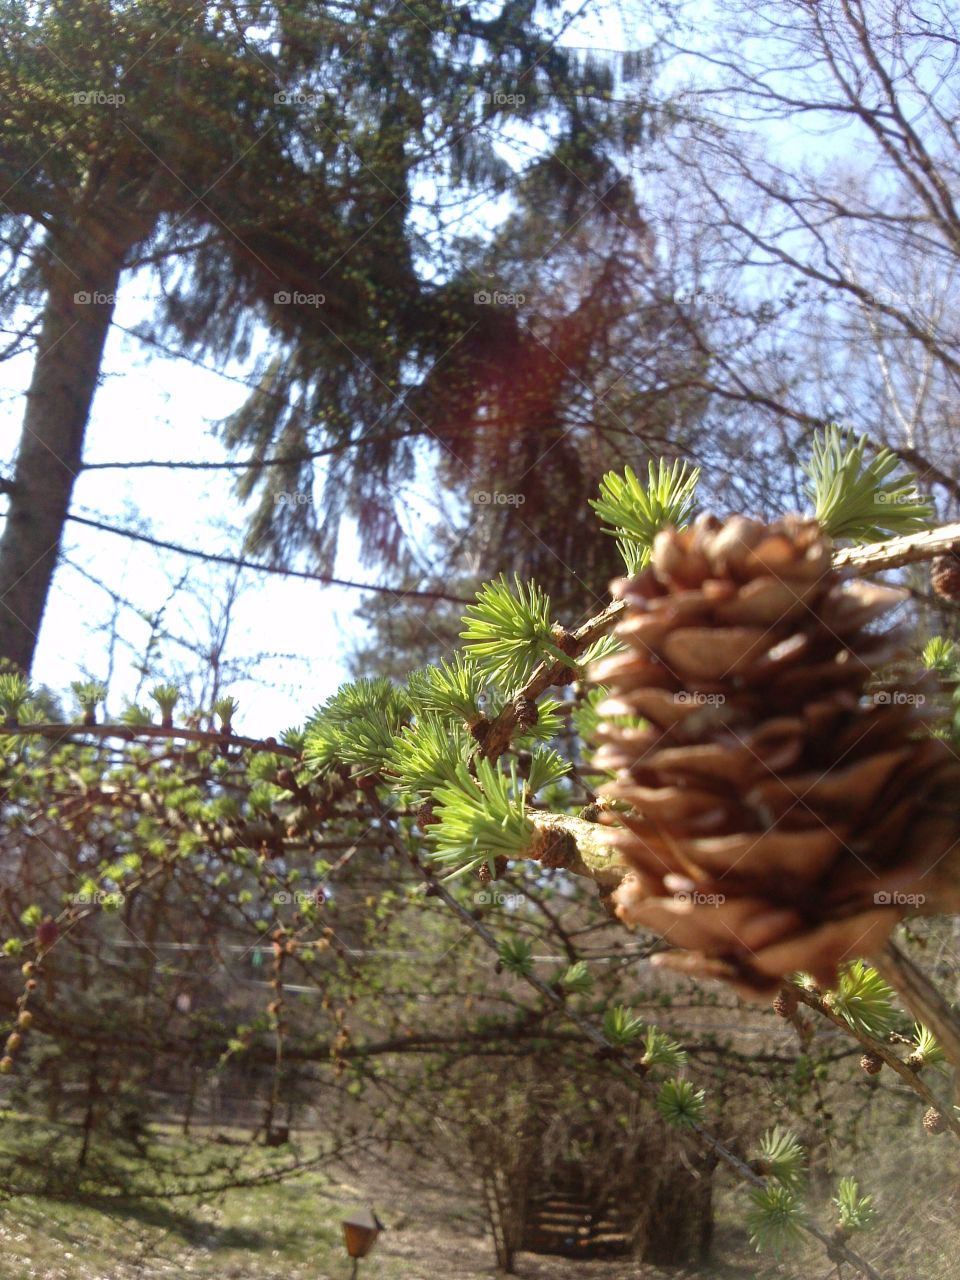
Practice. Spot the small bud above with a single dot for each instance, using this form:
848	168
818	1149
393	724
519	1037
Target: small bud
14	1040
871	1063
28	969
933	1121
48	932
6	1066
785	1002
526	710
24	1019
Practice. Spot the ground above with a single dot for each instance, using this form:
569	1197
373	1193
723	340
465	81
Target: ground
291	1231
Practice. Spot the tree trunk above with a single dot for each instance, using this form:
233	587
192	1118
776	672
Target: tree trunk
81	277
674	1227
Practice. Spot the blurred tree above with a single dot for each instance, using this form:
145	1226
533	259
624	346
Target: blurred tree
296	165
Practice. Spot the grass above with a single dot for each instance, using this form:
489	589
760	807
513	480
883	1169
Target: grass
288	1229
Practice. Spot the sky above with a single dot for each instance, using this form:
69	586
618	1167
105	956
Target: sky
293	635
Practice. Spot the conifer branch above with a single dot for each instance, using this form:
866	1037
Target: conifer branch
873	1044
908	548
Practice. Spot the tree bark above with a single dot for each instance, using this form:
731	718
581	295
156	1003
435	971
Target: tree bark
82	276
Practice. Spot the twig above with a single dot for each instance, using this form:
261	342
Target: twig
911	1078
402	593
132	732
893	553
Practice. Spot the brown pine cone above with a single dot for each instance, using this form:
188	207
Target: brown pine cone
945	575
933	1122
780	818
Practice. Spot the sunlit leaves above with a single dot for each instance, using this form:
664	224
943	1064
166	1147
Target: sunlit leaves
508	631
863	999
781	1156
775	1218
858	497
636	512
854	1211
480	819
681	1103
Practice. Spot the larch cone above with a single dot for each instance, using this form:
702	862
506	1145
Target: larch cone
779	809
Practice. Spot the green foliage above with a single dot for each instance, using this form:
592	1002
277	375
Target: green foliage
426	755
88	693
547	765
940	654
586	718
659	1051
357	726
480	819
927	1051
863	999
135	716
508	632
603	647
621	1027
782	1157
578	979
855	1212
857	498
681	1103
516	956
775	1218
225	709
637	513
166	696
14	694
449	689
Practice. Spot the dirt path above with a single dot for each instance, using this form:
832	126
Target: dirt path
439	1235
